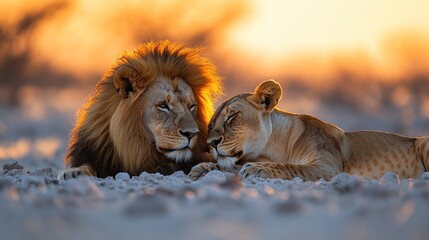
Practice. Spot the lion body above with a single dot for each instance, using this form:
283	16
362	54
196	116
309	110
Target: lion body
160	88
249	136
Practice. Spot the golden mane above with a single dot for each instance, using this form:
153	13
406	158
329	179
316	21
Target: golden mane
90	140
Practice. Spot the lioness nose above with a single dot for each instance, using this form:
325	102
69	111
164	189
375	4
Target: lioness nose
215	142
189	135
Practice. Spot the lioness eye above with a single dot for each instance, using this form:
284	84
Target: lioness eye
192	107
229	119
163	107
211	126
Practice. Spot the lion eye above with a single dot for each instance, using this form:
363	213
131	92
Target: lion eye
211	126
230	118
192	107
163	107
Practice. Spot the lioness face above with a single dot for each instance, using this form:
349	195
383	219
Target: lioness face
236	131
169	114
241	126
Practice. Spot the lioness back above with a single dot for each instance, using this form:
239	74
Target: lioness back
374	153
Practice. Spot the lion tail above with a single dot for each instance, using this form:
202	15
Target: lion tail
422	151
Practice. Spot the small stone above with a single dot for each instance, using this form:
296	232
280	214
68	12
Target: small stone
44	172
214	176
122	176
11	166
29	180
14	172
390	178
143	175
344	182
179	174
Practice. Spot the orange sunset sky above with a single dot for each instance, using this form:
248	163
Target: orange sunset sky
276	35
330	46
385	38
358	64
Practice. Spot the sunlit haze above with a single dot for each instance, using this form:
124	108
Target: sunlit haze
281	27
369	57
371	32
281	36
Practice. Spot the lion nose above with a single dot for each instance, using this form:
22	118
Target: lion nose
215	142
189	135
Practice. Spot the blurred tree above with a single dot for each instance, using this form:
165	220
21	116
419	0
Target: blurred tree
56	44
103	29
15	51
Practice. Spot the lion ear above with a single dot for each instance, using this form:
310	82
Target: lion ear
267	95
123	80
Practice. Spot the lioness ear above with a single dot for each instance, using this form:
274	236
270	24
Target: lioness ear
267	95
123	80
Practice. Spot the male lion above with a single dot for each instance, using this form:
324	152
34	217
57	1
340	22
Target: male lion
148	113
248	133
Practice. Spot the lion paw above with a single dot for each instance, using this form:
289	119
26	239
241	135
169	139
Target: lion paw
253	169
202	169
70	173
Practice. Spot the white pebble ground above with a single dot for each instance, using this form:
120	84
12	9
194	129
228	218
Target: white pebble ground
35	205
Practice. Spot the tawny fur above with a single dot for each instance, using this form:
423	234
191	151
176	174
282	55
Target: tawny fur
109	135
249	136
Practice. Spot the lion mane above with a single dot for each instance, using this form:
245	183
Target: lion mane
91	139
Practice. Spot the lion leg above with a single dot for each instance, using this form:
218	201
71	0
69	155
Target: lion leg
74	172
312	172
202	169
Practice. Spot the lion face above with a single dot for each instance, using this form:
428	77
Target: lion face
152	106
169	111
165	112
241	126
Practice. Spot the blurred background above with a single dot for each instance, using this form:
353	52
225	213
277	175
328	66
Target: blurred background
358	64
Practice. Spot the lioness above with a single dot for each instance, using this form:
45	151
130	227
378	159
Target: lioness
247	134
148	113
